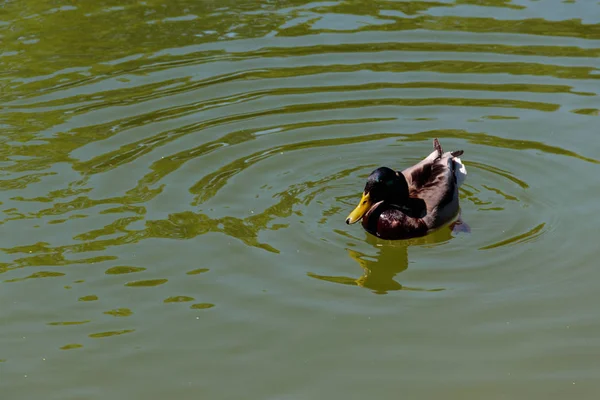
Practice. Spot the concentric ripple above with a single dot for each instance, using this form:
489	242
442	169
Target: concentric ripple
245	136
160	161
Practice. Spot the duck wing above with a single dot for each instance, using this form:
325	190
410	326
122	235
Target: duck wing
435	180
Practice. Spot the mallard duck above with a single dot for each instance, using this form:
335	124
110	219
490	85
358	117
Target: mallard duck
414	202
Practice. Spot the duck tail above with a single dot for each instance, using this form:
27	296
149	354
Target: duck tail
460	171
438	147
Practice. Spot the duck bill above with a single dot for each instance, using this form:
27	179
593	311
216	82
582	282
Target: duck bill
360	210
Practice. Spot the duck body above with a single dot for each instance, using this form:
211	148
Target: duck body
415	201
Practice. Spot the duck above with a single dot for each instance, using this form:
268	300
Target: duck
415	201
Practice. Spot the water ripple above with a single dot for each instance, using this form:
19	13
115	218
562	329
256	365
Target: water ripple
162	164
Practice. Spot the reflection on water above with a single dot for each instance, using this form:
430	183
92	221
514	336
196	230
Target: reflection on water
170	173
390	258
378	274
112	333
71	346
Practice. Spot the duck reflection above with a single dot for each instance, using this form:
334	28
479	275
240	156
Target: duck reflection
391	258
379	271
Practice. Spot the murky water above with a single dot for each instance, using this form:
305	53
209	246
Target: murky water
175	178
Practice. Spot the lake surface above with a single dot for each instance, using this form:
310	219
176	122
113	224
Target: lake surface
175	178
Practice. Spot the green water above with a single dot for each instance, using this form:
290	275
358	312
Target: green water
175	178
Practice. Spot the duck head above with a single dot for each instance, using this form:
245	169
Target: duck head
384	184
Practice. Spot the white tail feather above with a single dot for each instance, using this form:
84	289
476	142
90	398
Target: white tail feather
459	171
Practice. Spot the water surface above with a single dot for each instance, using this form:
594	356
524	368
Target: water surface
175	178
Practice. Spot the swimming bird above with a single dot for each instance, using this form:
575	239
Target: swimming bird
415	201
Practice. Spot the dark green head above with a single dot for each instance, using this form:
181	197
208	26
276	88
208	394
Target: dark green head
383	184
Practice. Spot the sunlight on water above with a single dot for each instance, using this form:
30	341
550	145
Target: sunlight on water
175	179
